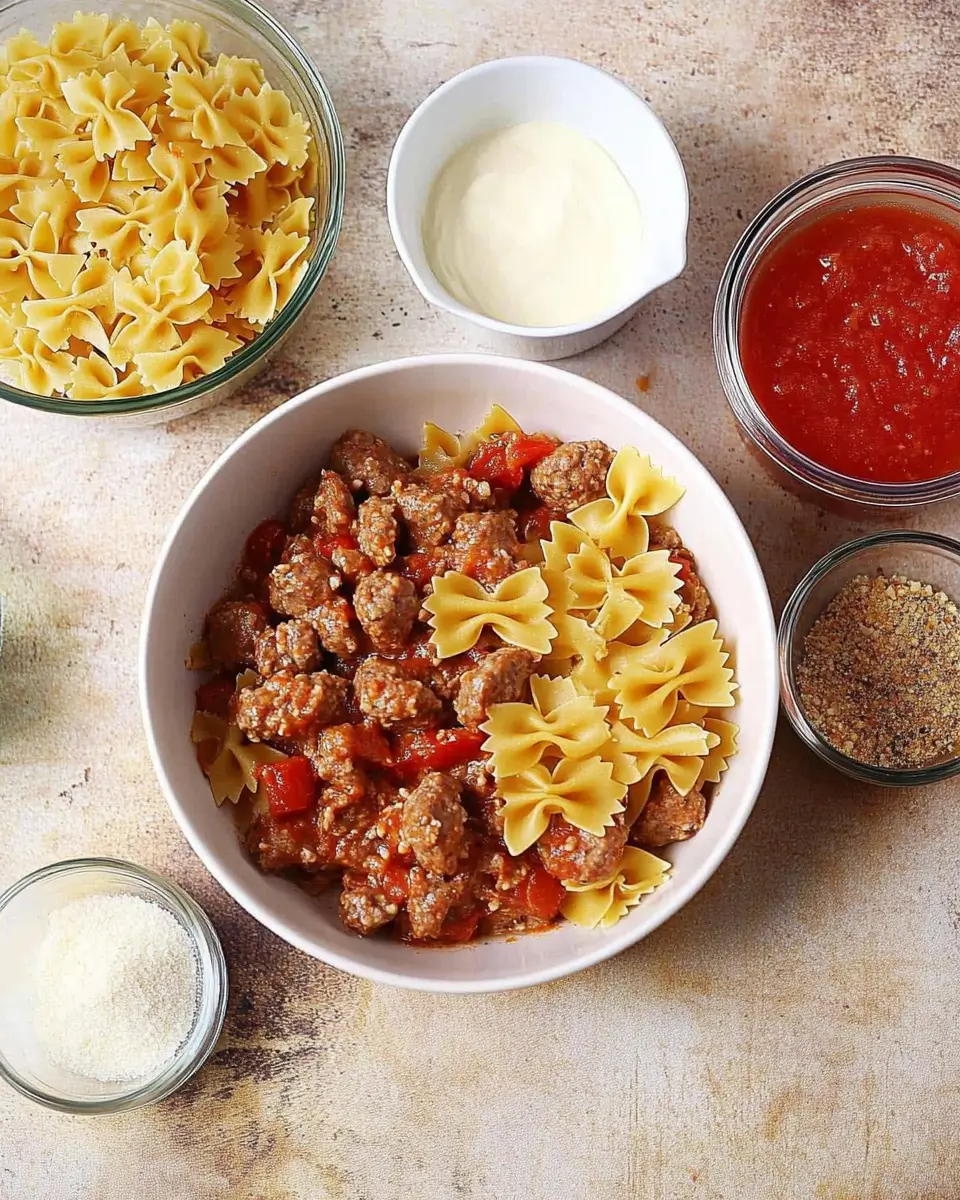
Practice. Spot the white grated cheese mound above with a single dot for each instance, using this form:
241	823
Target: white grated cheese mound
116	987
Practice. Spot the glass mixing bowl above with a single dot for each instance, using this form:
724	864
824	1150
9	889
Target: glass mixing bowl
24	910
243	28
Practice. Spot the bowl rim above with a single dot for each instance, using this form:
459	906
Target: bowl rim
259	20
786	640
607	944
772	222
438	295
172	1075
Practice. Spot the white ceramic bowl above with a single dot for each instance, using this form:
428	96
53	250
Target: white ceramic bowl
509	91
256	477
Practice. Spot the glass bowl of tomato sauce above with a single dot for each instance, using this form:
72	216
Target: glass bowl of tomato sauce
837	335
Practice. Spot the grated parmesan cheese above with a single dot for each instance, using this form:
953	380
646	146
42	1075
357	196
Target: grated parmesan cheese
116	987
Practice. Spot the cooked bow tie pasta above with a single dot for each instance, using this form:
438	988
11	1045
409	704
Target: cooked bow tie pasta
156	204
477	694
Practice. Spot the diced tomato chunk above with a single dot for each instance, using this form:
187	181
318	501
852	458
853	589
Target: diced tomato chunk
435	750
538	894
460	928
264	547
394	880
325	546
290	785
502	461
215	695
421	567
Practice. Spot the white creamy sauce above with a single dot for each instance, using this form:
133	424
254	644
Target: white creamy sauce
533	225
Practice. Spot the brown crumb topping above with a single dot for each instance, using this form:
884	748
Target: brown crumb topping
879	674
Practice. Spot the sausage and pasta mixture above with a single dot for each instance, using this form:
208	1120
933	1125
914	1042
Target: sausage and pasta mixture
365	748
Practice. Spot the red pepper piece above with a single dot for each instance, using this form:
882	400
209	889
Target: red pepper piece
338	541
435	750
264	547
290	785
538	894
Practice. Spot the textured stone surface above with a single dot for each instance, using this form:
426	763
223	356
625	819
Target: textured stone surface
793	1032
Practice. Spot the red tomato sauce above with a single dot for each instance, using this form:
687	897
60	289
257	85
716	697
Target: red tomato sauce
850	342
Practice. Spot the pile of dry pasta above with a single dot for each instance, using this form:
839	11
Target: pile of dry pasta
155	206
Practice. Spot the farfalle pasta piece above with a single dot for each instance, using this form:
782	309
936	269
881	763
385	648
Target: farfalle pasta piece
443	451
102	100
646	588
575	637
95	379
461	608
84	313
232	762
190	43
55	200
603	904
636	489
691	664
118	229
268	124
679	750
201	349
281	261
237	75
720	753
170	293
30	260
193	96
520	735
565	540
35	367
582	791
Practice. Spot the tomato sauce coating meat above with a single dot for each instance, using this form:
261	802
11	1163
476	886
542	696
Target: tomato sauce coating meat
387	792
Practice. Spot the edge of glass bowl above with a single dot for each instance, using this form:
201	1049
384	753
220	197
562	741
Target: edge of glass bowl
179	1069
285	43
750	418
789	693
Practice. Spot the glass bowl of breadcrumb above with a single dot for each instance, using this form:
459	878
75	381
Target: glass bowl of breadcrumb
870	658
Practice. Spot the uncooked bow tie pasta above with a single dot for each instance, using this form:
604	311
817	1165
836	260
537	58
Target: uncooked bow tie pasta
156	207
481	716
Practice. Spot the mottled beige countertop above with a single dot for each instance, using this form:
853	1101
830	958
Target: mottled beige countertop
793	1032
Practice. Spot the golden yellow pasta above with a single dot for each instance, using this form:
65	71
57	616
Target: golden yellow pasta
645	588
691	664
720	753
126	147
603	904
443	451
581	791
558	724
575	637
232	768
636	489
461	608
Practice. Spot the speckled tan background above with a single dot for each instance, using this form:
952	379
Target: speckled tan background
793	1032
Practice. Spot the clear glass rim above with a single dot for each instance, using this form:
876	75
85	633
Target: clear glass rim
214	985
875	174
296	57
786	639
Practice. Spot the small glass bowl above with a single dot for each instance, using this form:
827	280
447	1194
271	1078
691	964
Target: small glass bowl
243	28
24	910
927	557
886	179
